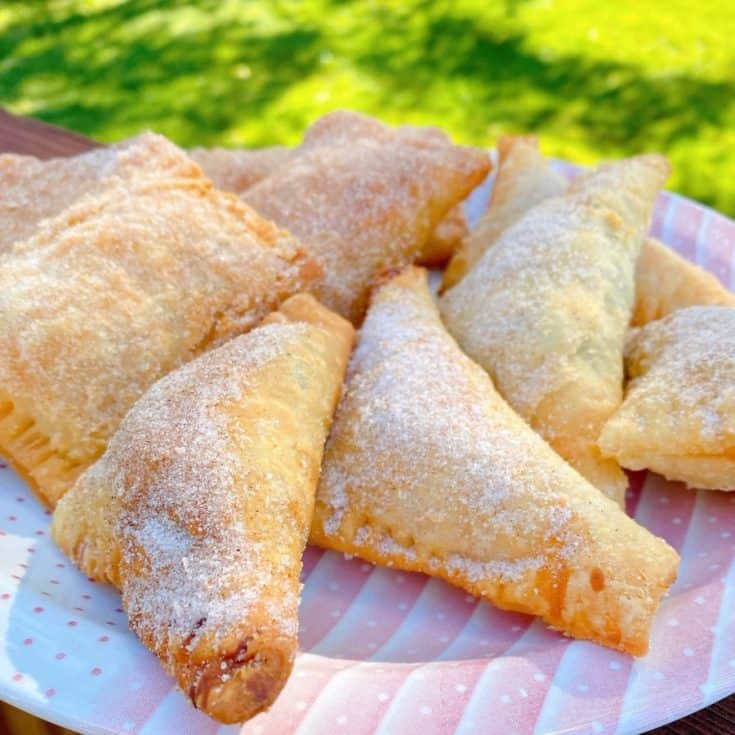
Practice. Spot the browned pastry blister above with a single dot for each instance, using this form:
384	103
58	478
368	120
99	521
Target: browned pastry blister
199	509
115	292
428	469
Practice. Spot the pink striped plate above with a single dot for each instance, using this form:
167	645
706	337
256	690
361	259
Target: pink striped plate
390	652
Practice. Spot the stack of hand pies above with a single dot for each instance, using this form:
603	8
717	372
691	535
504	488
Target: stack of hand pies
178	381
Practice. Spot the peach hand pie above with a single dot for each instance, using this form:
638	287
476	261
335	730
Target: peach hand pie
546	310
524	179
428	469
205	494
32	190
366	205
664	282
678	417
112	294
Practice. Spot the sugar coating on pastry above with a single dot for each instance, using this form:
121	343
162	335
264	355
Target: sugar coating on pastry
428	469
545	312
524	178
678	417
664	282
237	169
628	186
546	309
112	294
32	190
199	509
366	205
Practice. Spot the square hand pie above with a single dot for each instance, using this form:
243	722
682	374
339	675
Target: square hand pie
32	190
546	309
678	416
368	204
199	509
112	294
428	469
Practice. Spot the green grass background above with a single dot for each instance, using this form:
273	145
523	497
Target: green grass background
592	79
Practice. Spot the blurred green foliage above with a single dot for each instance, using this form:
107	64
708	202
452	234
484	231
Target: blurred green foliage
593	80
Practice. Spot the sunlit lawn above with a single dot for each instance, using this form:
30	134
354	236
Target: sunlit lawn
593	79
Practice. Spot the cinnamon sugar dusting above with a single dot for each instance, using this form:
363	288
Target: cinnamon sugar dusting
175	470
421	436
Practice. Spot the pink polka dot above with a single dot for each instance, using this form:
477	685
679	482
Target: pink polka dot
3	466
21	500
2	533
96	671
17	677
37	609
47	512
12	518
60	565
87	597
54	581
4	596
27	641
50	692
60	656
31	550
119	609
40	532
71	623
24	566
45	594
104	638
15	576
79	609
109	622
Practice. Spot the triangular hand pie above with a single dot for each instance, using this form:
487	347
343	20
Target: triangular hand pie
32	190
664	282
370	203
546	310
112	294
200	507
428	469
678	417
524	178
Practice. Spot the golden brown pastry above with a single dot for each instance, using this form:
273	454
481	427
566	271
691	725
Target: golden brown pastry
664	282
32	190
524	179
200	507
445	239
678	417
372	202
112	294
546	310
428	469
238	169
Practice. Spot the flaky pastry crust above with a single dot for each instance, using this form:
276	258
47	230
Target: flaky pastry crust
32	190
524	178
199	510
367	204
664	282
546	309
678	416
428	469
112	294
